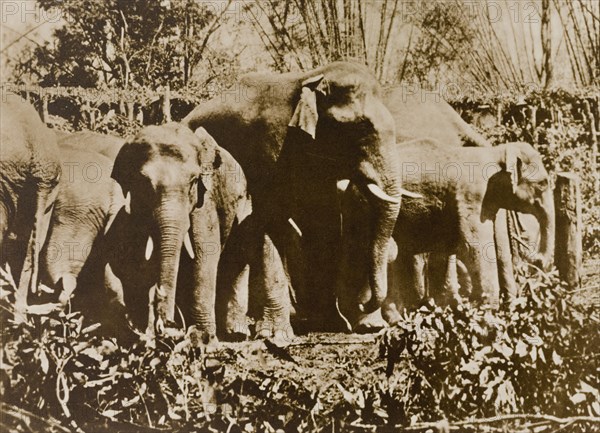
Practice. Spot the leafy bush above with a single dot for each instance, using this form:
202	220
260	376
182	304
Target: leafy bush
538	355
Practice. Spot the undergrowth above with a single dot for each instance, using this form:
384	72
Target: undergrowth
537	356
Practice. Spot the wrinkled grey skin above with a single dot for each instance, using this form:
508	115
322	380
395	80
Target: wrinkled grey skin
340	128
29	173
181	184
455	216
422	114
115	272
418	114
104	144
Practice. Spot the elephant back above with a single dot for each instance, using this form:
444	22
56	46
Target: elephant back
104	144
420	114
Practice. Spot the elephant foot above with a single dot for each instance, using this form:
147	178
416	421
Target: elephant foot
370	323
275	330
201	336
391	314
237	331
448	299
485	302
541	261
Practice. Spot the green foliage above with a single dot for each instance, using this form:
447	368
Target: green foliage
126	43
539	354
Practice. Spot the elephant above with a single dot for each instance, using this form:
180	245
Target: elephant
104	144
87	204
417	115
295	135
117	260
420	114
185	192
463	190
30	173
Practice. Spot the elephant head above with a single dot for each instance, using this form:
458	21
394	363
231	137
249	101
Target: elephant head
166	170
523	185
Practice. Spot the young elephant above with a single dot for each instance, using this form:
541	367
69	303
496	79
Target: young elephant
463	189
73	257
188	192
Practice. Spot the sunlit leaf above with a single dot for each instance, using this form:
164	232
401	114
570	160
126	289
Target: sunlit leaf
578	398
111	413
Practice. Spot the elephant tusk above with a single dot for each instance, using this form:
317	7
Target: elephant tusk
380	194
410	194
127	203
346	322
69	283
149	248
295	226
110	222
342	185
187	242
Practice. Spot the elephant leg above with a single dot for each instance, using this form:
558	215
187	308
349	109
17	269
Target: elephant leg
406	285
502	238
115	319
3	231
200	290
273	289
416	279
236	324
479	255
393	303
443	278
205	269
464	279
232	286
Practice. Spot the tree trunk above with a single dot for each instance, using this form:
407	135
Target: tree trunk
568	256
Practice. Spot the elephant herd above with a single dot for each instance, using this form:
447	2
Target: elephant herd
315	198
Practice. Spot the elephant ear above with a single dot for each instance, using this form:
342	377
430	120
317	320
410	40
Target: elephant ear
306	115
209	159
513	162
125	166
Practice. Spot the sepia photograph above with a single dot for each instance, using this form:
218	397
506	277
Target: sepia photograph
281	216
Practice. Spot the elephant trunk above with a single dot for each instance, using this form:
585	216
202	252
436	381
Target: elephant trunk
385	202
545	216
28	278
172	229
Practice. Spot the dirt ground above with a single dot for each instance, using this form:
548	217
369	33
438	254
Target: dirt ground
323	361
319	361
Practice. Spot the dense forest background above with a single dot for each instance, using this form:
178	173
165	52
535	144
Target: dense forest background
491	46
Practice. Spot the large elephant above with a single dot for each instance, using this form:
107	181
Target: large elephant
463	189
295	134
422	114
30	170
185	192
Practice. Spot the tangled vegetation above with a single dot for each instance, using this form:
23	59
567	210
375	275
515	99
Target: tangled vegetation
437	368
